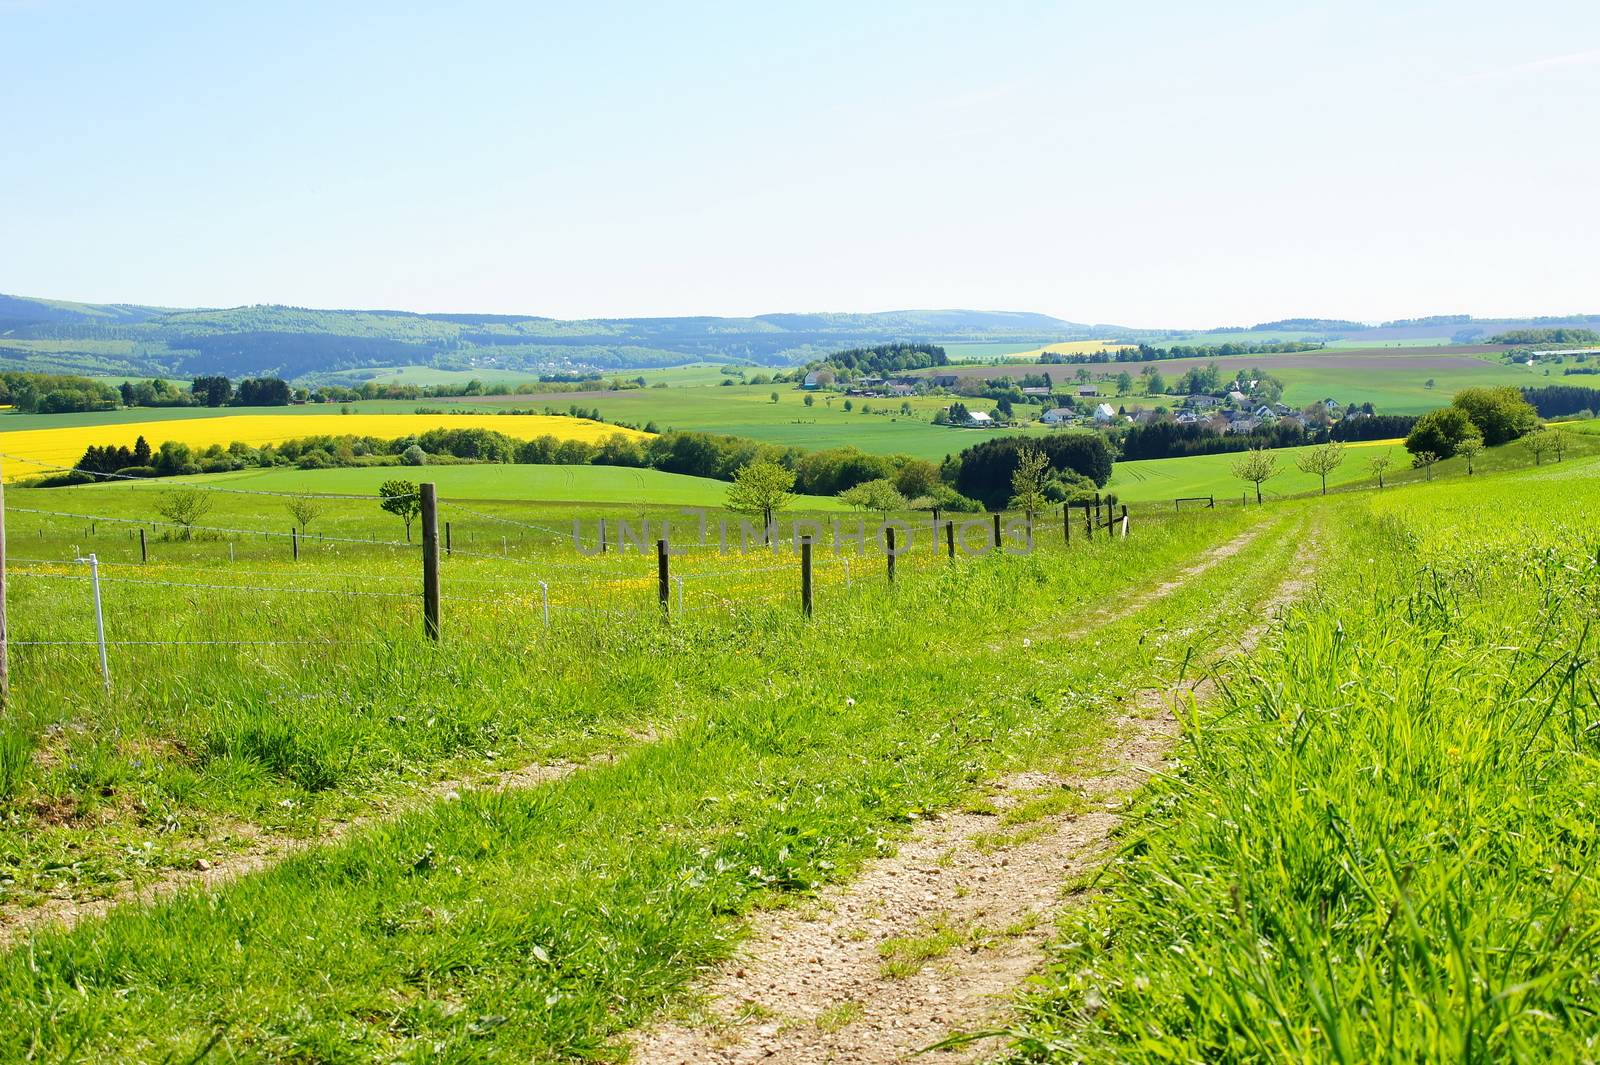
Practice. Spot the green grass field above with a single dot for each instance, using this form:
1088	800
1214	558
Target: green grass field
1374	848
1393	783
532	484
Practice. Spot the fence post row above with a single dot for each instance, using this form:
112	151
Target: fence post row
430	561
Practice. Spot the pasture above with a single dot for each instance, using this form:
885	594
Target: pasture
526	483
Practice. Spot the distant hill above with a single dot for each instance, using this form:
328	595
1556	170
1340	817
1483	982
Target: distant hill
299	342
120	339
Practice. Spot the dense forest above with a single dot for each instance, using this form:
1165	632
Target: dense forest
1559	335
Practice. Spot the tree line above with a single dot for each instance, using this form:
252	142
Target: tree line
1555	401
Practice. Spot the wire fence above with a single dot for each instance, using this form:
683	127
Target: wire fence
616	569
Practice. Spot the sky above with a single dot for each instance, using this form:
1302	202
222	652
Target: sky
1154	164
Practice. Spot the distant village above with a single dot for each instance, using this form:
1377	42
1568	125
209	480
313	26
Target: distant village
1241	406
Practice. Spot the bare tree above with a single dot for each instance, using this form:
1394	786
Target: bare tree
1256	466
1378	464
304	510
1321	461
185	507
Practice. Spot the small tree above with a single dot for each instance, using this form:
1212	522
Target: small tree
1470	449
1539	443
810	400
413	456
1028	482
1558	444
761	487
402	499
1256	466
774	397
304	510
1425	460
1378	464
1321	461
880	495
185	507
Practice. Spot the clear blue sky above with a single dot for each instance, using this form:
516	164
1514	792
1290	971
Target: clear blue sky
1148	164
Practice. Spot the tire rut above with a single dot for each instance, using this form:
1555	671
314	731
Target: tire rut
934	939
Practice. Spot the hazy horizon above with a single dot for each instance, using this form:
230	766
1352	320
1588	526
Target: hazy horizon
1160	168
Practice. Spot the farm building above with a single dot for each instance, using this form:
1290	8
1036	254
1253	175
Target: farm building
1057	416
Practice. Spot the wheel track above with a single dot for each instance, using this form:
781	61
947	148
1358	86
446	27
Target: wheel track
808	987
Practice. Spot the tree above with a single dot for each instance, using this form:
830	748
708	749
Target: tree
1321	461
1425	460
1124	383
1539	444
761	487
1378	464
880	495
1440	432
414	456
1558	444
774	397
1155	384
184	506
304	510
402	499
849	405
1028	482
141	452
810	400
1469	449
917	478
1500	414
1256	466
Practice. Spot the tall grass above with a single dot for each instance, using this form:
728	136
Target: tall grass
1381	844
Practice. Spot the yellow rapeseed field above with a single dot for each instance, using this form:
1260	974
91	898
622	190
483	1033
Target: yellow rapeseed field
1069	347
64	447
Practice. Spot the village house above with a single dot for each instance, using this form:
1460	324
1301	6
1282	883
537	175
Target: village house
1058	416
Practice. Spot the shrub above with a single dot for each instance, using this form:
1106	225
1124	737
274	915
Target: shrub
413	456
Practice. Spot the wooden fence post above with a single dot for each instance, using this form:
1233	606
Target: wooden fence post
430	561
1124	521
997	530
888	531
447	549
602	536
294	542
1066	523
144	555
805	576
950	538
1088	522
663	575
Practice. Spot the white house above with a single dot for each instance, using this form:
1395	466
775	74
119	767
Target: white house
1104	413
1057	415
977	419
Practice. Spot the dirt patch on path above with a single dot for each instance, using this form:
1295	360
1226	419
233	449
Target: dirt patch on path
258	852
934	939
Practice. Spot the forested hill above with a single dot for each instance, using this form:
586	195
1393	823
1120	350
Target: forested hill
293	342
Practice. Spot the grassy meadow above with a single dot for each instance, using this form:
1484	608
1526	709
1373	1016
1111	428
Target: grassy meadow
736	771
1377	846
